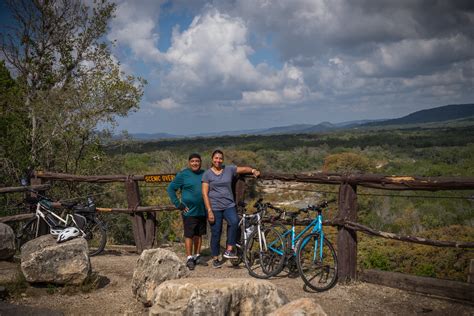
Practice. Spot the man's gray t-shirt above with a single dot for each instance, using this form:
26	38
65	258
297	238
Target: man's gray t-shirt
220	187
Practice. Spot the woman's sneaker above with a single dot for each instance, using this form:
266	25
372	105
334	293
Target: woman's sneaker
216	263
230	254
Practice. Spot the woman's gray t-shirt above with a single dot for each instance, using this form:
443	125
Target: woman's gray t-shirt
220	187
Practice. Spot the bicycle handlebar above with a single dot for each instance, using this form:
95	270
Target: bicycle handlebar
318	207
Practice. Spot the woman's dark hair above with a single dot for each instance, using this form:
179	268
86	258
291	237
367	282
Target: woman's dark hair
217	151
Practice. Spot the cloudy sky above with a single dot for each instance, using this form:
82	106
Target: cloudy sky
244	64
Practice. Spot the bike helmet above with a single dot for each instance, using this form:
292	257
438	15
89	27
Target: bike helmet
68	233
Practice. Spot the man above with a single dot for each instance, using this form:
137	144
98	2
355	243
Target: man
191	205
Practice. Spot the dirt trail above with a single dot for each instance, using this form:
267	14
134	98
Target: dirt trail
113	296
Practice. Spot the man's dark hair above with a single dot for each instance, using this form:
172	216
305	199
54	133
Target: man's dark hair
194	155
217	151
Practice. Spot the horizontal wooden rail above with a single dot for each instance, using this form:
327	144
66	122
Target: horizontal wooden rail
366	180
39	187
412	239
447	288
94	179
138	209
16	218
378	181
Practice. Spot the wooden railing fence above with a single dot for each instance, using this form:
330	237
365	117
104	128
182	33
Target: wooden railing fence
144	218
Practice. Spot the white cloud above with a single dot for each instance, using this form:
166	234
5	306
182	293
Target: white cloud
210	62
135	26
261	97
166	104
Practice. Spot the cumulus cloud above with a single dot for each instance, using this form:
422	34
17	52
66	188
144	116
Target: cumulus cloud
210	61
166	104
134	26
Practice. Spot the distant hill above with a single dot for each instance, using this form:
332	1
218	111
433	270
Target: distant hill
439	114
145	136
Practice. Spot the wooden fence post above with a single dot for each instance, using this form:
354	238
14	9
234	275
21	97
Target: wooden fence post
240	187
43	228
138	220
150	230
347	238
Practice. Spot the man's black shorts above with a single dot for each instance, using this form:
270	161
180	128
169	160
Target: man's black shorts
194	226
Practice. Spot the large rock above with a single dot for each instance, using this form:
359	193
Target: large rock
210	296
7	242
45	261
154	267
300	307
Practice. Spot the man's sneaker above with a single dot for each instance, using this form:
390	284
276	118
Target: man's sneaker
190	264
230	254
200	261
216	263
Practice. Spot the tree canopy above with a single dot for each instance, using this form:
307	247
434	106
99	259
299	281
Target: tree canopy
67	82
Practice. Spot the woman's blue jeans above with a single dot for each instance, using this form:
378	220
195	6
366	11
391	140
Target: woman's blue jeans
230	216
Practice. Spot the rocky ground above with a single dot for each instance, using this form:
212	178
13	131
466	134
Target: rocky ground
112	294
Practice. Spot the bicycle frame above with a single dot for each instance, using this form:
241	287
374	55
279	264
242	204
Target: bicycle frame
316	225
243	225
41	214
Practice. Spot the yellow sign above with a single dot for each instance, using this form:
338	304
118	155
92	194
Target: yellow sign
159	177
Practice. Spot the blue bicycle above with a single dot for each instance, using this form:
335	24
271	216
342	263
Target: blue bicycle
311	254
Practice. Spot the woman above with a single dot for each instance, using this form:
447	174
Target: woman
220	204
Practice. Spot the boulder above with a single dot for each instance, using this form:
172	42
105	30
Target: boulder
300	307
43	260
7	242
210	296
154	267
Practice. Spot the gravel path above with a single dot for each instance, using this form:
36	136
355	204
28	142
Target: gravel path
114	296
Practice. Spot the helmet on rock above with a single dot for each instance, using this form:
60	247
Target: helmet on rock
68	234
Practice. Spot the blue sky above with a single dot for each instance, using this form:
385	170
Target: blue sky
243	64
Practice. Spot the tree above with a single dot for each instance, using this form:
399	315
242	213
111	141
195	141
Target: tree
70	80
346	162
13	132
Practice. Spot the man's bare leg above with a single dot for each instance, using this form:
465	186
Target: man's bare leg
197	241
188	245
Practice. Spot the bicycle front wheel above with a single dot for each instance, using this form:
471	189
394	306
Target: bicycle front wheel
317	262
96	236
27	233
264	253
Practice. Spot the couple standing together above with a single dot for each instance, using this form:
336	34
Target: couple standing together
207	195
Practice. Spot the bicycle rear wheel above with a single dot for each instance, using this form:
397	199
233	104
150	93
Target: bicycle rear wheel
96	236
264	254
317	265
